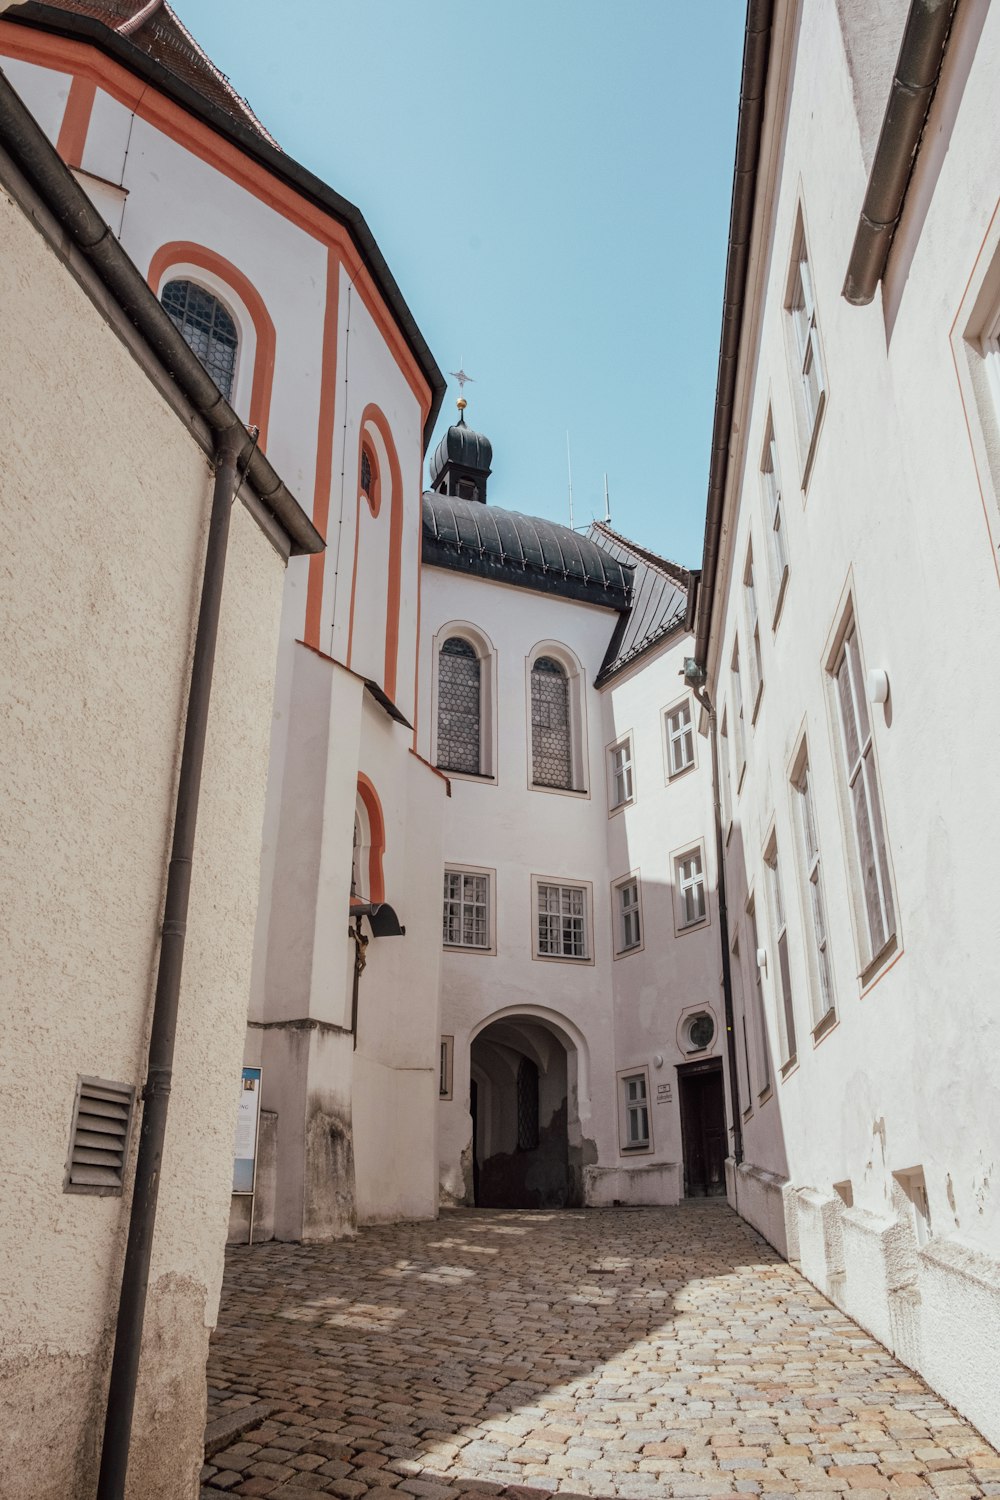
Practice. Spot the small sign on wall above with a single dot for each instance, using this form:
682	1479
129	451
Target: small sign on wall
664	1093
247	1122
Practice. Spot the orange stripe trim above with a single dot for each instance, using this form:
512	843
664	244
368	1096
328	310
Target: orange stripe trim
179	252
67	55
376	826
376	417
416	653
324	450
76	121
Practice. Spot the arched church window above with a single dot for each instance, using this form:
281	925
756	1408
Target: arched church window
207	327
527	1105
459	707
551	735
370	478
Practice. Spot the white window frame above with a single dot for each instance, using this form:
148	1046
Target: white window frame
473	872
806	353
860	789
639	1078
739	723
483	647
682	882
779	962
446	1068
577	696
563	884
676	734
624	773
763	1049
620	914
822	995
774	520
753	634
740	1016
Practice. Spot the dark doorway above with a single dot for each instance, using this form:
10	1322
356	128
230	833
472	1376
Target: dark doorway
703	1128
474	1111
519	1103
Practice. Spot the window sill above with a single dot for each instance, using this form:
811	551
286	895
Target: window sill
620	807
748	1112
468	948
739	778
636	1150
807	467
673	776
559	958
628	952
756	702
884	958
557	791
691	927
482	777
824	1026
789	1066
765	1094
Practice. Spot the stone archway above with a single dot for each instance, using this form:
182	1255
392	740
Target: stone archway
526	1127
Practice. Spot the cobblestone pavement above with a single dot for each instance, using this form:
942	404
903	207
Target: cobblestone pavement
618	1352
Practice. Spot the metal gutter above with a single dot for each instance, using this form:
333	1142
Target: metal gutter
756	55
918	69
65	23
35	156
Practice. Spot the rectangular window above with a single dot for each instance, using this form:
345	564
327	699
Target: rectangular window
739	728
445	1067
763	1049
466	909
753	631
805	818
680	739
628	921
781	970
740	1017
770	476
562	921
805	341
620	780
635	1112
862	795
689	881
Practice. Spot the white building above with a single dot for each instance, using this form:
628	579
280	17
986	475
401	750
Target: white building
579	1008
847	622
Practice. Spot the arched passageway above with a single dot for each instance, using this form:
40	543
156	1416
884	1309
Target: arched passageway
523	1101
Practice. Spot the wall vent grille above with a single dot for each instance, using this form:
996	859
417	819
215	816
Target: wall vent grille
98	1143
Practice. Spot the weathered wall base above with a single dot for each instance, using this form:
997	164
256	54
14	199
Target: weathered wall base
655	1184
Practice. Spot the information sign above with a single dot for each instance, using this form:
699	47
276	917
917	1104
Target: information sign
247	1120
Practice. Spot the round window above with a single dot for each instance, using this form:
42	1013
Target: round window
700	1032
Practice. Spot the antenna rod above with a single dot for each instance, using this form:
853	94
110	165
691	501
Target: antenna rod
569	471
607	503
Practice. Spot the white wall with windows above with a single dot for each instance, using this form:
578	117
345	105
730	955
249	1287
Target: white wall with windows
861	839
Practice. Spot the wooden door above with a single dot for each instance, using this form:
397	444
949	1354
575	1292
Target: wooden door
703	1130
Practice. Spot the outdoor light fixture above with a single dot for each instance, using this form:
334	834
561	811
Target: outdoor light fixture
878	685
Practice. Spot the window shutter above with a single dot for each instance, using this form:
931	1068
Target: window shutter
98	1148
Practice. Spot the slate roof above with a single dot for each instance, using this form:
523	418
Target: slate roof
658	604
155	29
526	551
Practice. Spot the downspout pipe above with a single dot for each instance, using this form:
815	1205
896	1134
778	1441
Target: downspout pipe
156	1094
695	677
756	56
918	69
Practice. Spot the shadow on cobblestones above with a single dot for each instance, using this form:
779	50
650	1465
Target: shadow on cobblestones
634	1353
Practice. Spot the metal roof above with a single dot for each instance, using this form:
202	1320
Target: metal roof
463	446
527	551
659	599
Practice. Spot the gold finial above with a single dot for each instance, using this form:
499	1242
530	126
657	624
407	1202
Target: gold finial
461	403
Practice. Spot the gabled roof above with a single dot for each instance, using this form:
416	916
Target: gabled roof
526	551
155	29
659	599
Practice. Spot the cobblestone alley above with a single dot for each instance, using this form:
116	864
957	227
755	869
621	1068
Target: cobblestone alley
643	1352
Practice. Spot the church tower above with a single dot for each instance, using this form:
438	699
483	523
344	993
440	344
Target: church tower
461	463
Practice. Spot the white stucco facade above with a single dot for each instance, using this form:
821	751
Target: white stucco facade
871	1159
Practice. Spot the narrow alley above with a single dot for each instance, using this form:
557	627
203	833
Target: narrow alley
619	1352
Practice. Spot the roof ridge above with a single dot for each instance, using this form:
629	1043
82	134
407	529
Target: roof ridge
675	571
236	97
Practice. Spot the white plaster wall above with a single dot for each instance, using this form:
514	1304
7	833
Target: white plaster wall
105	502
895	510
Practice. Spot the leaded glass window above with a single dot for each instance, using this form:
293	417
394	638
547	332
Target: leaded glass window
207	327
551	742
466	909
366	472
459	707
527	1105
562	921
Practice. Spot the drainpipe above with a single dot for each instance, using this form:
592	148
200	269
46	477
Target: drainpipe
156	1094
918	68
694	675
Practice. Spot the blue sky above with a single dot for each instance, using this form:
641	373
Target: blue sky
549	181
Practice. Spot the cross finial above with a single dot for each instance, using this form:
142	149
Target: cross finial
462	379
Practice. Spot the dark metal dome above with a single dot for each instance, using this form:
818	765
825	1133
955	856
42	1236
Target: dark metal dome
464	448
524	550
